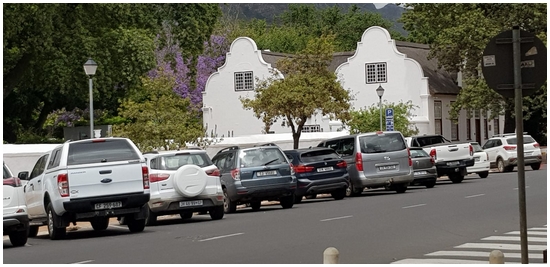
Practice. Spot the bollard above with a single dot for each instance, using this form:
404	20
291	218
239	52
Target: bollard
330	256
496	257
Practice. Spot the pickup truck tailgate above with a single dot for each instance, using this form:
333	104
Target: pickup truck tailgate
452	152
110	178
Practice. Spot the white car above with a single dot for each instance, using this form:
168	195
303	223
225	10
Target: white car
502	151
183	182
481	161
16	219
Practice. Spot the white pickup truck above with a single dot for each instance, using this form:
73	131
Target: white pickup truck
451	158
88	180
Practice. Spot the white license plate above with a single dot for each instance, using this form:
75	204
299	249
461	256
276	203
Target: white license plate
190	203
325	169
453	163
108	205
528	153
385	168
266	173
477	158
420	172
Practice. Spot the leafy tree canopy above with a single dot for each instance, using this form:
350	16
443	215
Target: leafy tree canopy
367	120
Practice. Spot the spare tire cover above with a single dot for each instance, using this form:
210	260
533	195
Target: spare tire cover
190	180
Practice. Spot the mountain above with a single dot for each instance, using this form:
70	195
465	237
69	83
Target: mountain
269	11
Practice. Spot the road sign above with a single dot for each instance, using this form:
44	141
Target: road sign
389	113
498	63
389	124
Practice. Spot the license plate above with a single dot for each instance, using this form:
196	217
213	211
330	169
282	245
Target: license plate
190	203
527	153
325	169
420	172
453	163
385	168
477	158
266	173
108	205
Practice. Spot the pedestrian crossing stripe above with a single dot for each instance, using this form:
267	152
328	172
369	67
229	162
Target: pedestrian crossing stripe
500	246
481	254
528	233
514	238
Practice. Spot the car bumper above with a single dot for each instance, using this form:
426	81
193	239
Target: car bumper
526	160
16	223
176	205
386	180
444	168
479	167
308	187
271	192
85	208
428	177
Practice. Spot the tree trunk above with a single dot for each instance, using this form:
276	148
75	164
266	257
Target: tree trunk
296	137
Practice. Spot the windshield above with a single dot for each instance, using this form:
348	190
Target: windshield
379	143
174	162
101	150
477	147
418	153
319	155
261	156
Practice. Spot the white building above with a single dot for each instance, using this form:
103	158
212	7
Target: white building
401	68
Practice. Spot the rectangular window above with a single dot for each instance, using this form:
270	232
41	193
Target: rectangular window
244	81
468	130
485	127
496	125
454	128
376	72
311	128
438	117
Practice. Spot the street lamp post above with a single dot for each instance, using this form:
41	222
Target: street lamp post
380	92
90	67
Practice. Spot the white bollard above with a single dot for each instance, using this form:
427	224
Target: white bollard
330	256
496	257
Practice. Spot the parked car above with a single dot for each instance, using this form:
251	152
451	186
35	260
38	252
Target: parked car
481	161
251	175
319	170
376	159
183	182
16	219
502	152
425	172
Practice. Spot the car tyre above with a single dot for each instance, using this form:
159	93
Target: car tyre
216	213
135	225
501	167
186	215
99	223
456	178
483	174
33	230
18	238
535	166
255	205
228	205
55	233
400	188
339	194
430	184
151	219
287	202
298	199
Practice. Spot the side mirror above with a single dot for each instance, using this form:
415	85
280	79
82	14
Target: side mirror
23	175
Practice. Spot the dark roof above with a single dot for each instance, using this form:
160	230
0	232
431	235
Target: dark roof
439	80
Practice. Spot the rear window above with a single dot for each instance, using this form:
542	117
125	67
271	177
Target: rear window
386	142
174	162
261	156
418	153
477	147
106	150
319	155
526	140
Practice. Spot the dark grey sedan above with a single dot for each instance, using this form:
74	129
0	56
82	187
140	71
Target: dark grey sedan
425	172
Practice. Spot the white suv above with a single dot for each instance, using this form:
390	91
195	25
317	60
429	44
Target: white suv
16	219
183	182
502	151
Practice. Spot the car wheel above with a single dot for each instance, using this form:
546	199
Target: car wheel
151	219
298	199
99	223
18	238
135	225
339	194
356	191
456	178
216	213
287	202
228	205
500	165
400	188
55	233
33	230
255	205
535	166
483	174
186	214
430	184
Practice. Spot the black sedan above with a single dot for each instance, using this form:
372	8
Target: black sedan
425	172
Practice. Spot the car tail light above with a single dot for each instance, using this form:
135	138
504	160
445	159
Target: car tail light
536	145
509	147
214	172
236	174
63	184
13	181
359	161
302	169
432	161
145	172
157	177
292	172
410	159
471	150
433	154
342	164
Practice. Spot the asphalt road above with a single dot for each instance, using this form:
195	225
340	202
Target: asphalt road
378	227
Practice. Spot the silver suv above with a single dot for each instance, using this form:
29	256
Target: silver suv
16	219
183	182
376	159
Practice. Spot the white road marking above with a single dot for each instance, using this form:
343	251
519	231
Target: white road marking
481	254
218	237
81	262
528	233
414	206
440	261
474	196
500	246
537	228
515	238
337	218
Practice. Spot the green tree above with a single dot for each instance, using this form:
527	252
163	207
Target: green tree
367	120
308	88
158	117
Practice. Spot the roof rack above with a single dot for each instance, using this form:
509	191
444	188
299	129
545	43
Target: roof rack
266	144
507	134
227	149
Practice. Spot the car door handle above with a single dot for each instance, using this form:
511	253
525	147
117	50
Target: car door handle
105	172
38	181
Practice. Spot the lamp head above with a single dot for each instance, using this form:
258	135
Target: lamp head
380	91
90	67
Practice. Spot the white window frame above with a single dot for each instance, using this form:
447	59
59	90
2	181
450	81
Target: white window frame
376	72
438	117
311	128
244	81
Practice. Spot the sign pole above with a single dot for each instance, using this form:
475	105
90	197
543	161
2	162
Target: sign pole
520	148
